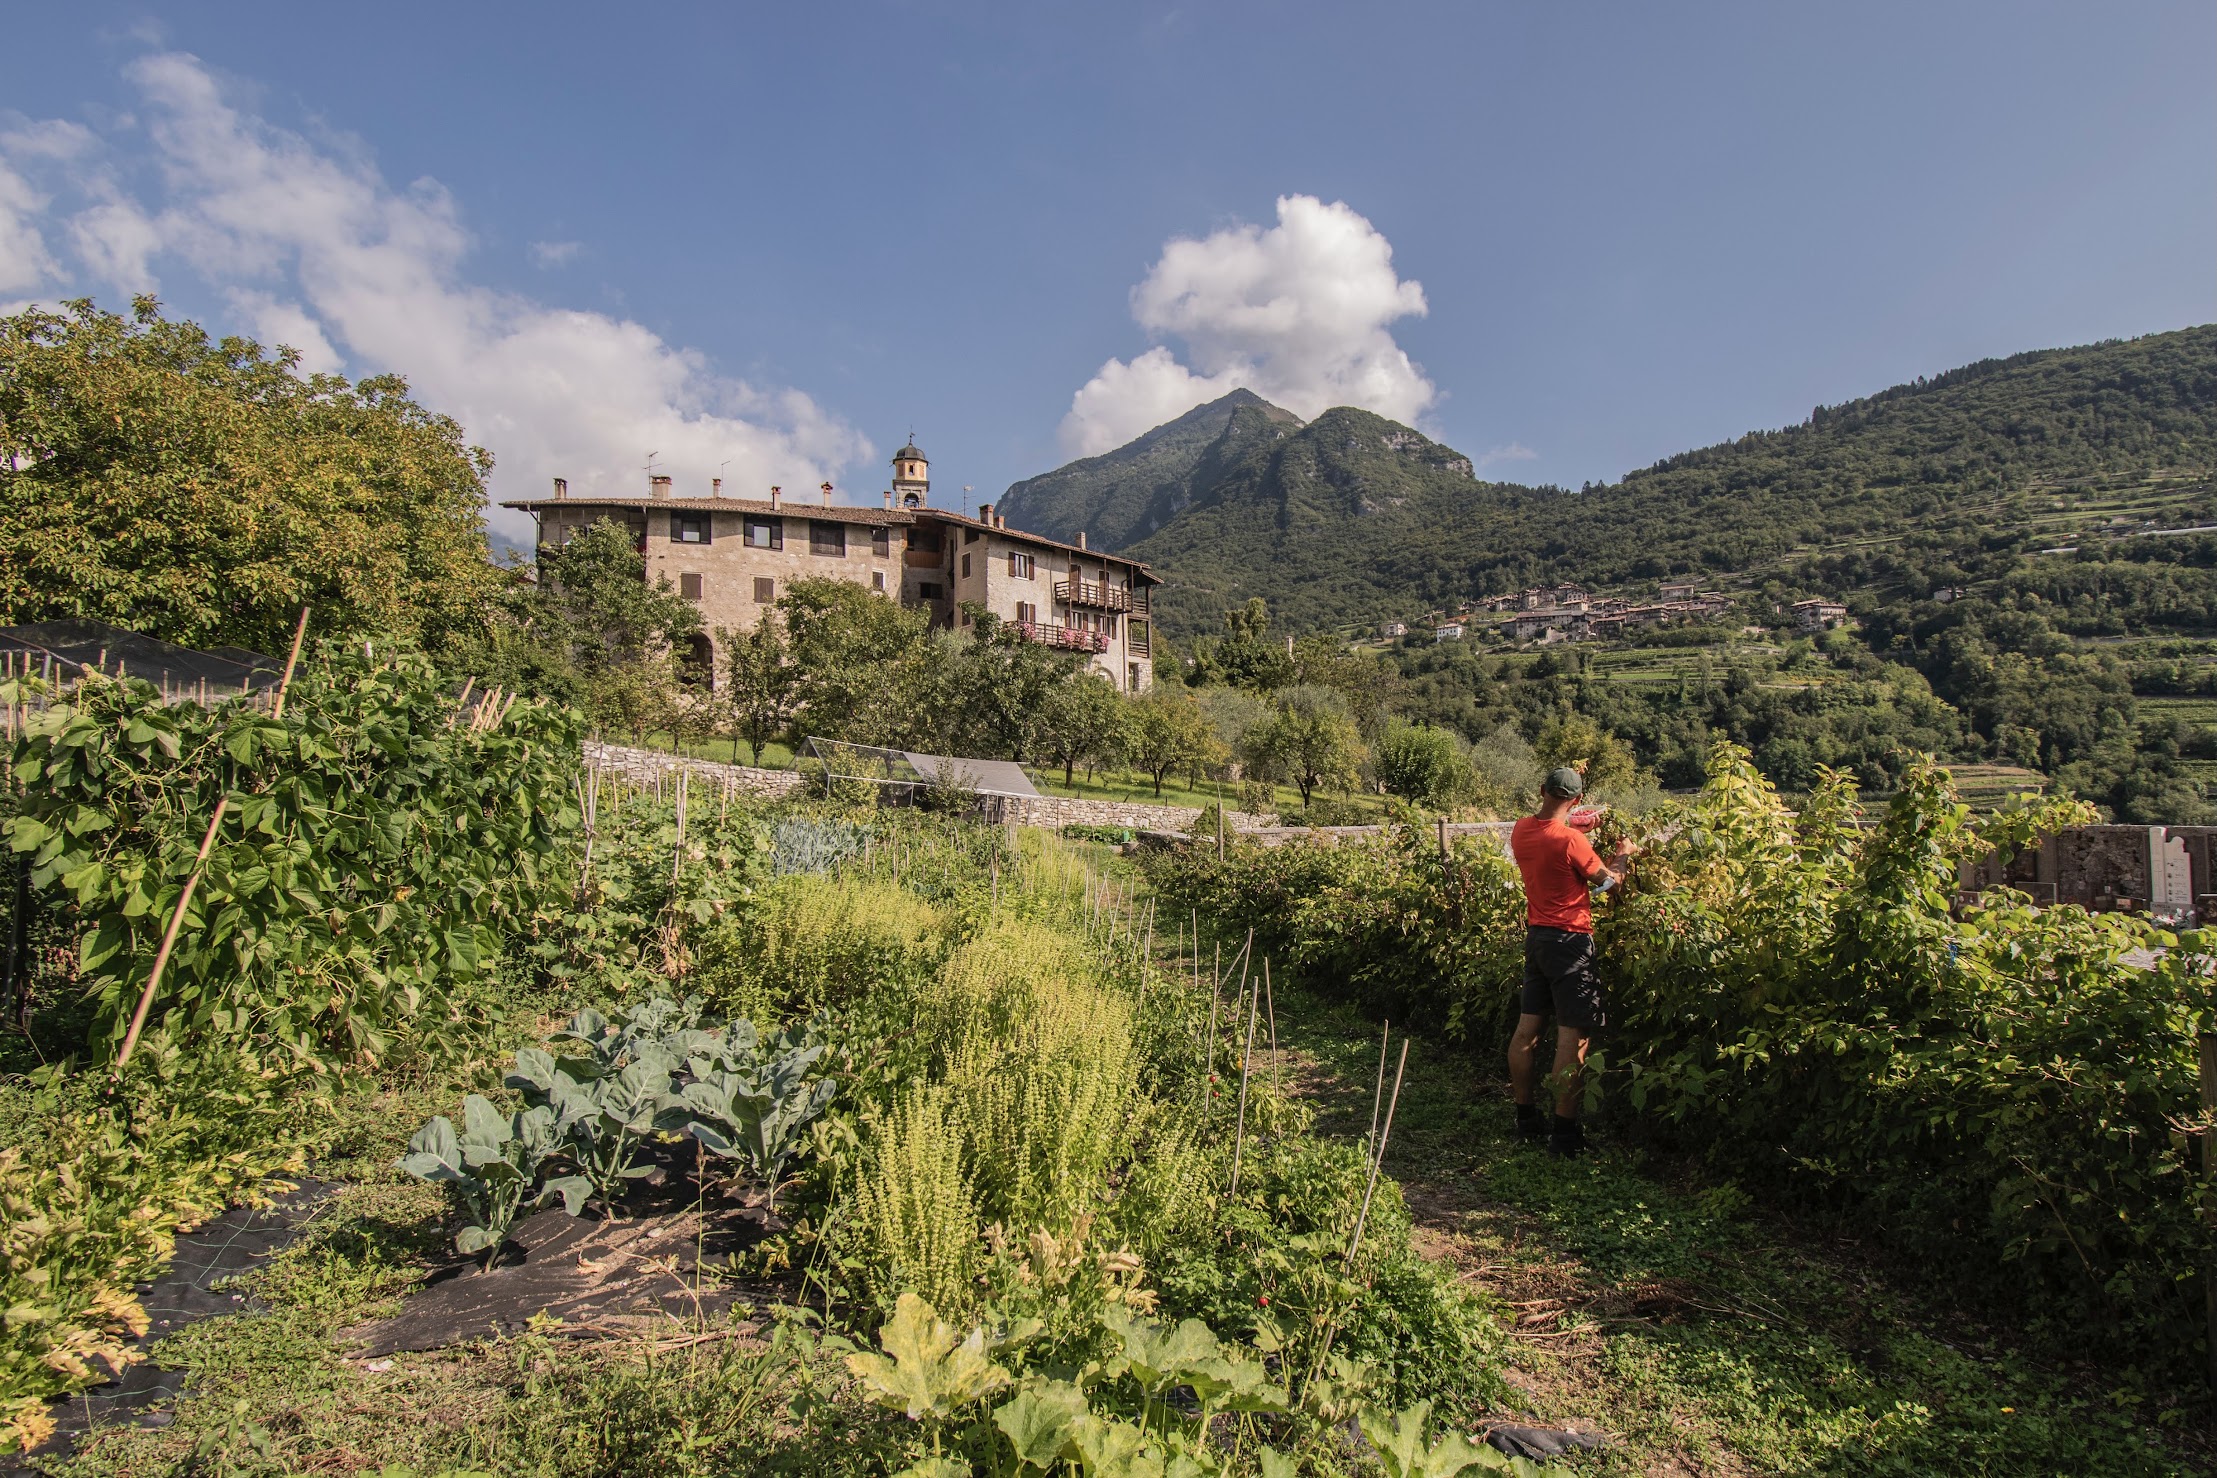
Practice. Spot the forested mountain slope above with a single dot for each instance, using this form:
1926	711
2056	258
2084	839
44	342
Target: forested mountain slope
1121	497
1353	517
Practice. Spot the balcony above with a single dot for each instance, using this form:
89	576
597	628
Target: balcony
1088	593
1055	635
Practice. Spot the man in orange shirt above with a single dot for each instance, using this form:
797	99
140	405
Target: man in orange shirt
1559	865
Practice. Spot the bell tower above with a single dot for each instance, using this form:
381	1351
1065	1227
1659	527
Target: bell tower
911	476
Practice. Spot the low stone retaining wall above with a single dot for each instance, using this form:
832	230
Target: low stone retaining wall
646	766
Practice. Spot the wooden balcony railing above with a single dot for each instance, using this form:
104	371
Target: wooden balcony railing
1056	635
1090	593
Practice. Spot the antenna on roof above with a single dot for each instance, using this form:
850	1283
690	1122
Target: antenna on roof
965	495
650	462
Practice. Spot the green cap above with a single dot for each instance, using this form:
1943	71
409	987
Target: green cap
1565	781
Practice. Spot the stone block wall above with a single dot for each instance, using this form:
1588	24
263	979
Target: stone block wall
646	766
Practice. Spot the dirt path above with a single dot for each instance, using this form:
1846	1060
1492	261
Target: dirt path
1703	1335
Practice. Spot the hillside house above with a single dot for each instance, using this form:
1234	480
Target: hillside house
1449	631
1391	629
1818	615
1677	589
734	557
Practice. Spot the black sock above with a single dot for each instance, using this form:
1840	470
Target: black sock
1567	1128
1527	1113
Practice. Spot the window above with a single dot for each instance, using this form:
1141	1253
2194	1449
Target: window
765	533
877	581
765	590
969	536
1131	672
1019	566
966	567
689	587
927	591
881	544
1027	613
689	528
827	538
1108	626
924	540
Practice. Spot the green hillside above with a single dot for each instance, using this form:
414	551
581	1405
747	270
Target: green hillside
1121	497
1353	517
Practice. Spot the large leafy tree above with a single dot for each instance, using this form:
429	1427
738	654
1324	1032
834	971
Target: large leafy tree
1168	731
1311	741
1080	721
759	679
994	685
203	490
868	668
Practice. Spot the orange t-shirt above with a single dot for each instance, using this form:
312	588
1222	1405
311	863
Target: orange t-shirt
1557	864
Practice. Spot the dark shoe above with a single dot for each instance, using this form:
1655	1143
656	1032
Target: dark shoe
1531	1125
1566	1139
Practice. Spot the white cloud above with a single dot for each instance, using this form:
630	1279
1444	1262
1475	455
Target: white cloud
1515	451
312	247
553	253
1299	313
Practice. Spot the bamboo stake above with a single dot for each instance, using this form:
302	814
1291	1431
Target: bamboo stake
1273	1009
461	702
2208	1044
1372	1184
1246	1059
1378	1093
292	659
169	936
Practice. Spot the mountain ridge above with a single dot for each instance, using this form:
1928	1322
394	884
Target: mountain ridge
1352	517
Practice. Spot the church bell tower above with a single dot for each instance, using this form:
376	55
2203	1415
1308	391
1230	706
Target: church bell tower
911	476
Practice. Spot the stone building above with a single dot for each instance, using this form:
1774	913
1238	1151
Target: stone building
734	557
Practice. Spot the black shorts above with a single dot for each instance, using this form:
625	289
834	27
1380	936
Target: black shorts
1559	978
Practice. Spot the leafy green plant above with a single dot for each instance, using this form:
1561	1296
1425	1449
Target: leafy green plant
493	1166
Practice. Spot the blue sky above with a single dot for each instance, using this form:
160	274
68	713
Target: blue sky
1566	239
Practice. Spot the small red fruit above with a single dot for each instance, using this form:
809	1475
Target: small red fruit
1263	1301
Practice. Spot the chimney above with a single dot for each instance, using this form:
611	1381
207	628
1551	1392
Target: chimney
985	514
561	487
716	487
774	491
826	491
1000	520
660	482
888	497
1081	538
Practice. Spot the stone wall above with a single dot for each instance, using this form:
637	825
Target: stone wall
646	766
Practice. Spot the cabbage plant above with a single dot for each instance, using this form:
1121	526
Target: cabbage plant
493	1166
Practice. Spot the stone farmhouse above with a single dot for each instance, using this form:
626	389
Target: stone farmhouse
1819	614
734	557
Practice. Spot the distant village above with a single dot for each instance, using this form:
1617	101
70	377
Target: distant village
1573	613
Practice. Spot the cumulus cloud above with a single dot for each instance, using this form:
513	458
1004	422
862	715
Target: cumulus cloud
1299	313
553	253
310	246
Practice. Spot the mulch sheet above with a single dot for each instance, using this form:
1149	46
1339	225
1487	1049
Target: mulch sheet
234	1243
598	1277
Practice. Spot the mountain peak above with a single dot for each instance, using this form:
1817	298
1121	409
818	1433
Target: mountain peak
1124	495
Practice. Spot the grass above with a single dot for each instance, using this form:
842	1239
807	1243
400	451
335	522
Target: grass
1703	1333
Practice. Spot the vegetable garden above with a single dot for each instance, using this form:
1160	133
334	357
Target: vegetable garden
1022	1196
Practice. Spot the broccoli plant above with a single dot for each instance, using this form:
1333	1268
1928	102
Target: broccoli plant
599	1111
750	1101
493	1166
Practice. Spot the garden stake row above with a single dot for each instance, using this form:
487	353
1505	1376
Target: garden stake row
1377	1094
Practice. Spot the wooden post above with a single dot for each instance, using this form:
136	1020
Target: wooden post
1220	823
169	936
1443	838
292	660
